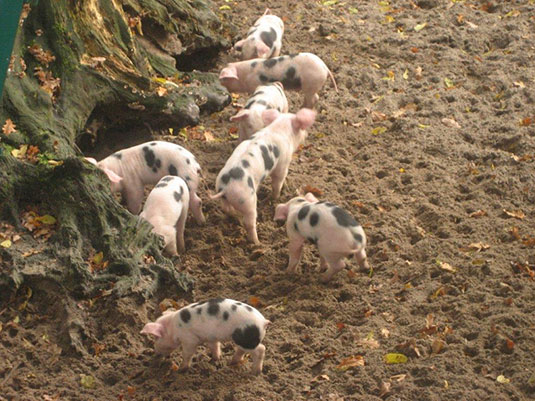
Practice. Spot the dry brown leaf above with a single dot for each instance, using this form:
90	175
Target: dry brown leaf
161	91
418	73
208	136
9	127
378	116
475	246
313	190
526	121
369	342
385	332
340	326
437	346
351	362
446	266
450	122
528	241
479	213
398	378
47	82
517	214
254	301
43	56
320	378
385	388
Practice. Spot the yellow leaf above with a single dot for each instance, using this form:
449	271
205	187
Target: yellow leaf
353	10
406	74
449	83
502	379
401	170
351	362
46	219
225	7
5	244
378	130
55	163
389	19
437	346
423	126
97	259
87	381
389	76
419	27
330	3
395	358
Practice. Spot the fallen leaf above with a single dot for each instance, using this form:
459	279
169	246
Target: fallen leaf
398	378
351	362
174	367
320	378
385	388
98	348
509	344
418	73
225	7
208	136
87	381
161	91
328	3
475	246
502	379
448	83
393	358
254	301
419	27
340	326
369	342
519	84
378	130
437	346
526	121
517	214
479	213
450	122
9	127
385	333
378	116
446	266
6	244
406	74
131	390
313	190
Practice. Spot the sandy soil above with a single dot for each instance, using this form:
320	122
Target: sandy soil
430	144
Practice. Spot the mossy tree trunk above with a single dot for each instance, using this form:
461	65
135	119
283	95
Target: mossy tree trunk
71	58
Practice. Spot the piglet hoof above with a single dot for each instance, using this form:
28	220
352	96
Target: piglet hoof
256	371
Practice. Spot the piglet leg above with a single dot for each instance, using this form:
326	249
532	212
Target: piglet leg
258	359
249	219
277	181
188	350
362	260
323	264
169	235
310	100
238	356
215	350
295	248
180	227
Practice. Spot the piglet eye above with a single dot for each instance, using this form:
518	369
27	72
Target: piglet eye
238	48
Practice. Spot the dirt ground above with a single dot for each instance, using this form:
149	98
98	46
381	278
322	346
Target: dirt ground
430	144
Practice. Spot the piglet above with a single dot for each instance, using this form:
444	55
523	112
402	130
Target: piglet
304	72
265	97
129	170
333	230
264	39
211	322
166	208
267	153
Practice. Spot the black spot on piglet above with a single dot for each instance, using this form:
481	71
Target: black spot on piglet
161	185
357	237
173	170
303	212
248	337
213	306
314	218
185	315
268	161
178	197
343	218
270	62
268	37
225	315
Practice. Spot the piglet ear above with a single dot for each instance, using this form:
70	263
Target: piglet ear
267	12
155	329
269	115
281	212
242	115
229	72
303	119
262	50
91	160
309	197
115	178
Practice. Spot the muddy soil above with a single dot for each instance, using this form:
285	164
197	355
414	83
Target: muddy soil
430	144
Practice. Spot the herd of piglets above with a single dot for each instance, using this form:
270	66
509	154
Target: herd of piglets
268	137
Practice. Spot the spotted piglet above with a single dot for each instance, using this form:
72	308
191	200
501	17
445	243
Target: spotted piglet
267	153
264	39
334	231
265	97
211	322
303	72
129	170
166	208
